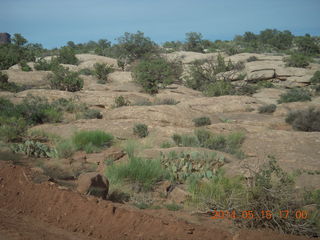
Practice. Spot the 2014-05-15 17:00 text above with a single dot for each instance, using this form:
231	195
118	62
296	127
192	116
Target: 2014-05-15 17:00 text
263	214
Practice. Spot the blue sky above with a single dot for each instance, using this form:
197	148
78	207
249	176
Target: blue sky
54	22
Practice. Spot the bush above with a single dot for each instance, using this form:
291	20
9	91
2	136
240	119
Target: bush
166	144
265	84
92	141
252	59
15	52
65	80
201	121
297	60
202	138
12	128
86	71
305	120
92	114
25	67
267	108
154	73
138	171
141	130
66	55
44	65
120	101
134	46
295	95
8	86
101	71
37	110
219	88
315	78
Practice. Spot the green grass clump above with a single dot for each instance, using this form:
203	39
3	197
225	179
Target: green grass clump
92	141
295	95
64	149
173	207
201	121
270	108
166	144
141	130
219	192
202	138
137	171
166	101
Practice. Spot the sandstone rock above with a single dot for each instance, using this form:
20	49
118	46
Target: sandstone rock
93	184
178	195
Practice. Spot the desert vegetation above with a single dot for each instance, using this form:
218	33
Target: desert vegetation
192	126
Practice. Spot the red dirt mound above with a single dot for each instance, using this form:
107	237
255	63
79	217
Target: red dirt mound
43	211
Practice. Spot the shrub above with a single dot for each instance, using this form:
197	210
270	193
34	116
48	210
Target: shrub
134	46
202	138
246	89
166	144
219	88
194	42
86	71
120	101
265	84
37	110
101	71
201	121
138	171
44	65
92	114
12	128
185	140
295	95
315	78
8	86
267	108
15	52
141	130
154	73
25	67
63	79
297	60
305	120
92	141
252	59
66	55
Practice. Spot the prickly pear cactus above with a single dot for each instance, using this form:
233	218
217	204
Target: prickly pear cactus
184	164
33	149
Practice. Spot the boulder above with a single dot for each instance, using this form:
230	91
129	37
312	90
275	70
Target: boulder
178	195
93	183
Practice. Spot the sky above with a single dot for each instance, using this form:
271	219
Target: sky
55	22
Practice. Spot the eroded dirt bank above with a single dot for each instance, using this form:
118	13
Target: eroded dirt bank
43	211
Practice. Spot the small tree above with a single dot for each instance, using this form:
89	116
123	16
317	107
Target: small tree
101	71
67	56
154	73
194	42
63	79
135	45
